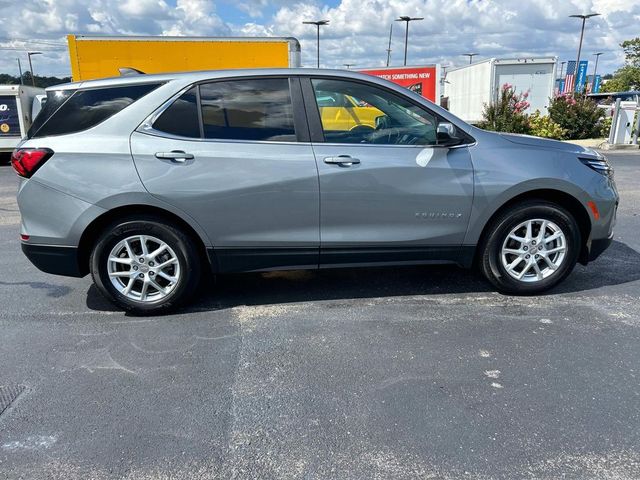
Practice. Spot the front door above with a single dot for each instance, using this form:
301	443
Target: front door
389	193
228	154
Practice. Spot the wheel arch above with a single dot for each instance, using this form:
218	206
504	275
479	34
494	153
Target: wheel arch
560	198
92	232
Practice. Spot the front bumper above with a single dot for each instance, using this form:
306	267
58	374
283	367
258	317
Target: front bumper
55	259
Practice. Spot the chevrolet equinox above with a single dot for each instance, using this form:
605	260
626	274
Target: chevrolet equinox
144	181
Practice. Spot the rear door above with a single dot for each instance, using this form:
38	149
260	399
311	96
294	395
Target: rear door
235	155
389	193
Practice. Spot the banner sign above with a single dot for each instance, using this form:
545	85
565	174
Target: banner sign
422	80
581	76
596	84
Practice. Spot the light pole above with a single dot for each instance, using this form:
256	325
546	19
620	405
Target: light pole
470	55
584	20
405	18
348	65
595	70
33	77
318	24
389	47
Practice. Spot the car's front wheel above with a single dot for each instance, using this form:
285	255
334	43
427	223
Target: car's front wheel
530	248
145	265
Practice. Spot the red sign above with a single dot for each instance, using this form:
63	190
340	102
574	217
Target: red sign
422	80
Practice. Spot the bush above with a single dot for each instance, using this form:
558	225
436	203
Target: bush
506	114
577	115
605	126
544	126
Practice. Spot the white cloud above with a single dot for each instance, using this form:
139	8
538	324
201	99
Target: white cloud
357	33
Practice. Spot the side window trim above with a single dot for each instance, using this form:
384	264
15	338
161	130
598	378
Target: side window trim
199	111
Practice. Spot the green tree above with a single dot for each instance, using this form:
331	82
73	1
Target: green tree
627	77
632	51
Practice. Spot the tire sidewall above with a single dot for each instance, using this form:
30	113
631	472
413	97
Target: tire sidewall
179	243
492	263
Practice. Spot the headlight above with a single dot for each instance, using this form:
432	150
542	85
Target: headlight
600	165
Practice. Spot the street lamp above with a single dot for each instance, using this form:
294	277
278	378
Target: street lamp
33	77
405	18
595	70
470	55
318	24
348	65
584	20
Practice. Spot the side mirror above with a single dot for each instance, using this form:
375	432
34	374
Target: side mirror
446	135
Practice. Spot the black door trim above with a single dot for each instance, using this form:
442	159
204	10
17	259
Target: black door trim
230	260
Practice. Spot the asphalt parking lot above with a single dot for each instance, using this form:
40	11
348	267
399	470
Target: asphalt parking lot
420	372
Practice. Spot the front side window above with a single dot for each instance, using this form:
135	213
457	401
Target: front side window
254	109
363	113
73	111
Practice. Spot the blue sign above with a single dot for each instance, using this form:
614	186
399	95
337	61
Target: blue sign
561	86
596	84
581	77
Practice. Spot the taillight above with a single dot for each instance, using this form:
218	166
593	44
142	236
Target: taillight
25	161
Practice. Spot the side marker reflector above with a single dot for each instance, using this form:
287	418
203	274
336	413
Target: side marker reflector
594	209
24	237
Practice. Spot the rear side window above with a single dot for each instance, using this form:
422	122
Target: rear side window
181	118
256	109
84	109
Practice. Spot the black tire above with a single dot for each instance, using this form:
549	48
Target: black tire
183	246
490	249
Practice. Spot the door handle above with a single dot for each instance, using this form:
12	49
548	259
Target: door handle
175	155
342	160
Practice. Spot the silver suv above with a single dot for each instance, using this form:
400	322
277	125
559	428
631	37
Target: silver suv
144	180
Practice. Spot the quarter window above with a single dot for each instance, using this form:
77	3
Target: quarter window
259	109
66	113
363	113
181	118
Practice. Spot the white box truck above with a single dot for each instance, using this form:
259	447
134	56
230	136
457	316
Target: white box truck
470	87
19	104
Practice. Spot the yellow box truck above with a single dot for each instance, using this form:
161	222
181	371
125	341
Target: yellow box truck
104	56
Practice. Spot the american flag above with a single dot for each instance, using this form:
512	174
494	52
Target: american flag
570	78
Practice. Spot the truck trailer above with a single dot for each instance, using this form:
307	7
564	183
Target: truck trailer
470	87
19	105
104	56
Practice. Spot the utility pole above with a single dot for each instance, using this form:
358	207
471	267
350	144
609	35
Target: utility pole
318	24
20	70
389	47
584	20
405	18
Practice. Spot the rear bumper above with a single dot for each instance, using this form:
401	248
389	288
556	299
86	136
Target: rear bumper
55	259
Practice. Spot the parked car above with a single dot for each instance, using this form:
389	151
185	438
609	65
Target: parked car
144	181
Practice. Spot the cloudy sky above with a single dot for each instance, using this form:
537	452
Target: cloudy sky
358	32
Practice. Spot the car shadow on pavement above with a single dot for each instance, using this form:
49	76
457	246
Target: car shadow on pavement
619	264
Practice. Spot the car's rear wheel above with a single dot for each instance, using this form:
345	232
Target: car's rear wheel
530	248
145	265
